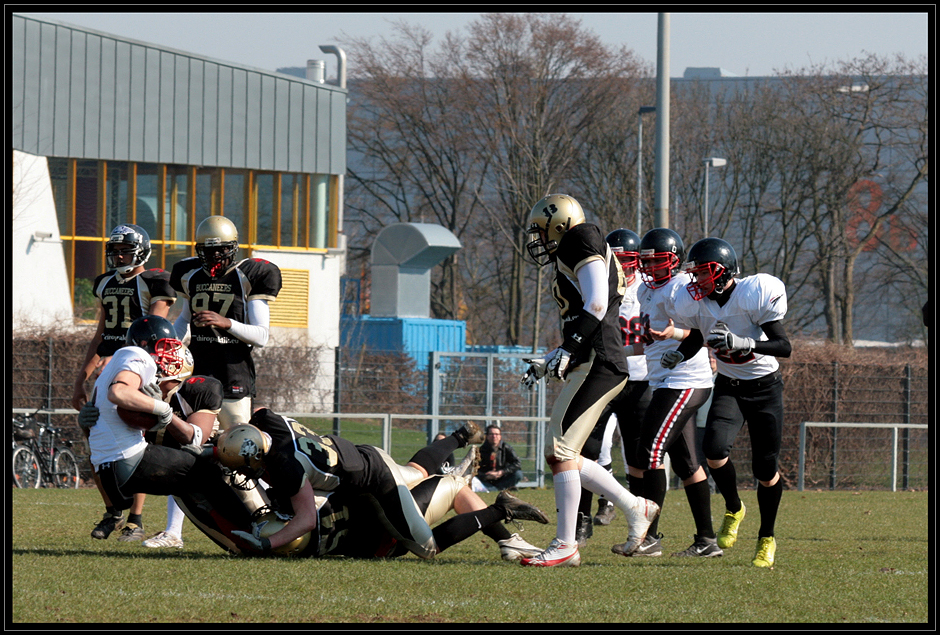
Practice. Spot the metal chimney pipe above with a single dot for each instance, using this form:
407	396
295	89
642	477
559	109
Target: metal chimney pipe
340	62
316	71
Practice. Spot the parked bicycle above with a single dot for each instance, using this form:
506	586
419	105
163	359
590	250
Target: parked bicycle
41	457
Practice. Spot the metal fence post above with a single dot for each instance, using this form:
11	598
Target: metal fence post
49	383
434	392
835	419
906	439
802	471
337	386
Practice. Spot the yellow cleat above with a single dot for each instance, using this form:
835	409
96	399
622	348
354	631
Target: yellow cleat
766	548
728	533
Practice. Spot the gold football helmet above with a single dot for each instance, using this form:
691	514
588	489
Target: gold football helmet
270	523
216	244
242	448
548	221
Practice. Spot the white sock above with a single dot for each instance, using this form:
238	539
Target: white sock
174	518
598	480
567	498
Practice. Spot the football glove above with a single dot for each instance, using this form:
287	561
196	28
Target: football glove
536	371
262	545
88	415
558	363
152	390
671	359
723	340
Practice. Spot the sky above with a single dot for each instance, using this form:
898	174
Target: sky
752	44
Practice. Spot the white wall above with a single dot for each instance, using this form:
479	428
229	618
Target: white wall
40	283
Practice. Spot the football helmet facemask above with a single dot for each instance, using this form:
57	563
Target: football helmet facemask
127	240
661	256
712	264
242	448
548	221
174	361
146	331
626	246
216	245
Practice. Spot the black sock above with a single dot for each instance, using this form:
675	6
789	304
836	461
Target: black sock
114	511
462	526
636	485
699	495
431	457
726	480
587	497
654	482
135	519
768	500
497	531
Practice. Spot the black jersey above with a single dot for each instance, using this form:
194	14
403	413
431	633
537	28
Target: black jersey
123	300
197	394
215	352
578	246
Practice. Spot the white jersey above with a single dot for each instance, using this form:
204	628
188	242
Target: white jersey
631	325
111	439
754	300
657	306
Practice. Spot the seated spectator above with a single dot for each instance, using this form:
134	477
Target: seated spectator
500	467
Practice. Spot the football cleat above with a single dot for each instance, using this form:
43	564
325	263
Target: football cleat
728	534
642	515
517	509
605	512
702	548
651	546
766	550
107	525
163	539
515	548
470	433
584	530
131	533
558	554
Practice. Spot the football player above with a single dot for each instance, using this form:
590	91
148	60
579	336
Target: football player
225	312
126	463
297	463
629	406
588	286
742	322
125	292
351	523
668	425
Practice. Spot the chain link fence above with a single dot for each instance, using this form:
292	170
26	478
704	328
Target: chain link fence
824	385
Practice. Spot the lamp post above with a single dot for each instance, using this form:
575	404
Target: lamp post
713	162
639	167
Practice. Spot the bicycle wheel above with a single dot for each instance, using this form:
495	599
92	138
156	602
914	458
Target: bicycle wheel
26	472
65	465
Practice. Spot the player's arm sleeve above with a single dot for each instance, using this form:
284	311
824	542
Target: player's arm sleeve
257	330
181	325
592	277
777	343
691	344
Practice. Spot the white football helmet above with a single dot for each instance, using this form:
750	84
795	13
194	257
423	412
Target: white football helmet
548	221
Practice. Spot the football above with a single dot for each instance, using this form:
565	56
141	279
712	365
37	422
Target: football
136	419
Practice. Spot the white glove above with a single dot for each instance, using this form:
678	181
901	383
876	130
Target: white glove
558	364
536	371
164	415
152	390
88	415
671	359
258	544
723	340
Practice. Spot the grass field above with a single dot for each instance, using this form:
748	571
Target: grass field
842	557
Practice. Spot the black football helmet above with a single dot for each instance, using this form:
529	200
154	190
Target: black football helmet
146	331
123	236
626	246
661	255
712	264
